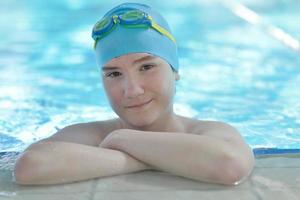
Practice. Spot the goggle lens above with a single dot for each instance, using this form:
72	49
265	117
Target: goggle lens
102	24
132	16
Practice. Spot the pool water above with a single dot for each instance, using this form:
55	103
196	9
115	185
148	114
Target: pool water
230	70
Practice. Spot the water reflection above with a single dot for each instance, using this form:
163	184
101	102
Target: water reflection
238	73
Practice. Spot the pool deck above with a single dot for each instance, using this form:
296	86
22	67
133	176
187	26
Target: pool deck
274	177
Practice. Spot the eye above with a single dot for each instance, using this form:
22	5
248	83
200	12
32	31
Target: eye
113	74
147	67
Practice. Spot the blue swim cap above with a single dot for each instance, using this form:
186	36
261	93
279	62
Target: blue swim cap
123	40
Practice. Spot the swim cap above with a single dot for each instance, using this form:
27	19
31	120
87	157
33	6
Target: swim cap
123	40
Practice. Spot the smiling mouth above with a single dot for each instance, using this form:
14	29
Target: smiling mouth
139	105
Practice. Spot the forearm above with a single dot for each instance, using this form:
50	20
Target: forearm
62	162
193	156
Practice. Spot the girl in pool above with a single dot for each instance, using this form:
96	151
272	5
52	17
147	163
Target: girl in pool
138	57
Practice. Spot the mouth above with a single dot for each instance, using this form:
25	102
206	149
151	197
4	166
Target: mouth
139	105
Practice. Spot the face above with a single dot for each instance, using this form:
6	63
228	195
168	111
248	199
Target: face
140	88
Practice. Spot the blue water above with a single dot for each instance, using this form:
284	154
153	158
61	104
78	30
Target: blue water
231	70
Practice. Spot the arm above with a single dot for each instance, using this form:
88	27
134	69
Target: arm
200	157
63	162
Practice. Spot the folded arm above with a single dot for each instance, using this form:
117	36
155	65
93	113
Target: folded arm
64	162
211	158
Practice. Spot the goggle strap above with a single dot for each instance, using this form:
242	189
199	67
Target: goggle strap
115	18
163	31
99	38
135	26
95	43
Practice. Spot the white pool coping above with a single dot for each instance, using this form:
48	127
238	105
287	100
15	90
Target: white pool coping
274	177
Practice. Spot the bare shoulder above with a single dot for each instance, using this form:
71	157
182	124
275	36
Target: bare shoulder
90	133
212	128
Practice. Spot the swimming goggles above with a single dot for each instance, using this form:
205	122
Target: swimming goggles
130	19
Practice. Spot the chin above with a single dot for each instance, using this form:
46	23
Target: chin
140	122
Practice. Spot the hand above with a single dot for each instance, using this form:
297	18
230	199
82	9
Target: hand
112	140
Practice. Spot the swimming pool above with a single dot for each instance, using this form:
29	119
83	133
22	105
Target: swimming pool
231	70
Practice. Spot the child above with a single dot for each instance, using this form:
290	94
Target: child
138	57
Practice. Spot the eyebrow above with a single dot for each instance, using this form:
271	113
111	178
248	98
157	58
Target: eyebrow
107	68
142	59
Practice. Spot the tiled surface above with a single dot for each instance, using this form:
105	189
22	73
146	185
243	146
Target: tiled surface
273	178
158	181
176	195
6	184
278	161
276	177
286	194
49	197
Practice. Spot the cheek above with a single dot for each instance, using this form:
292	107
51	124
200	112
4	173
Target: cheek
162	83
113	93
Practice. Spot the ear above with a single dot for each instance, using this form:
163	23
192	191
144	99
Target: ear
177	76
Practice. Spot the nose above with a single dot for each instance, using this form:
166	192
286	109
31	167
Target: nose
132	87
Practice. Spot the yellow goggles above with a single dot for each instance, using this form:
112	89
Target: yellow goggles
130	19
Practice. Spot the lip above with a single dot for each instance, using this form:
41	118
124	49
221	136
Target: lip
139	105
